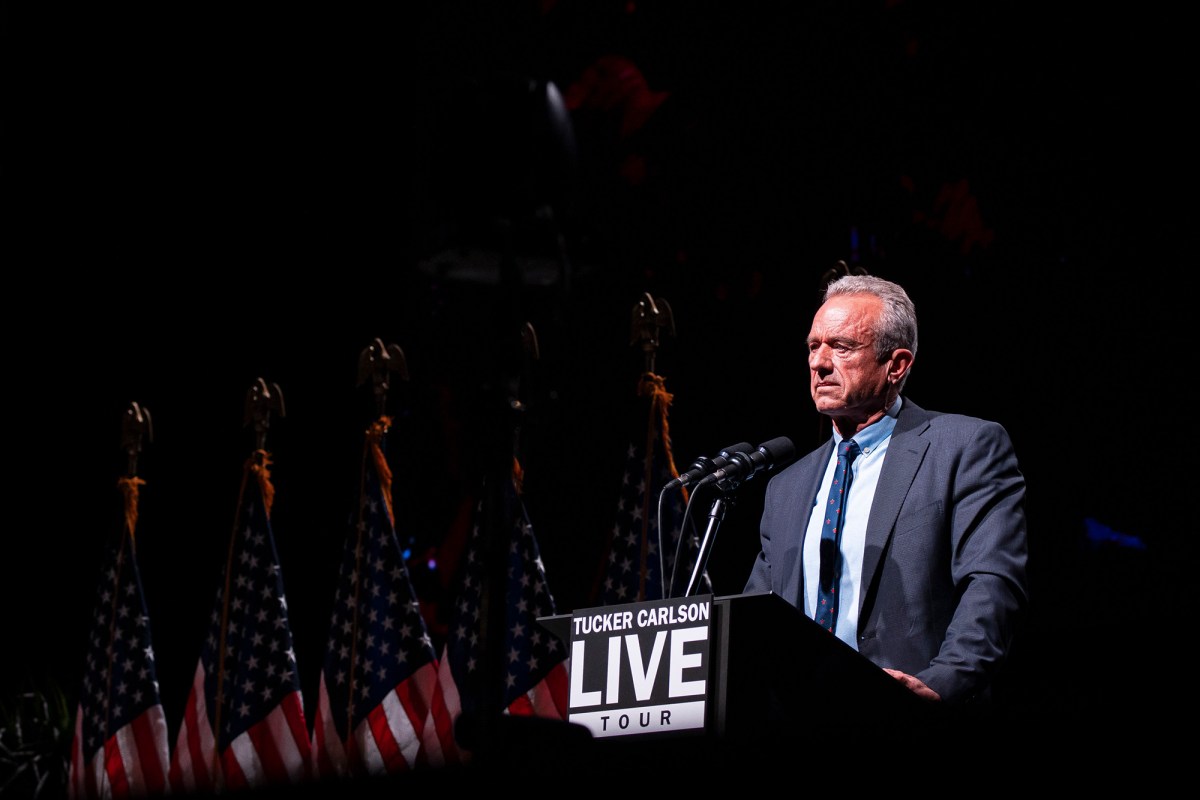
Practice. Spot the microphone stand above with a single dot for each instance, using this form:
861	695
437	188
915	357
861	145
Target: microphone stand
716	514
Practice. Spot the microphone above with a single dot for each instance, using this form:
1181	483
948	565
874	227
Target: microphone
744	466
703	466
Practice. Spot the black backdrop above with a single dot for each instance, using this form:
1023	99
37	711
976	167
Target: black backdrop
201	200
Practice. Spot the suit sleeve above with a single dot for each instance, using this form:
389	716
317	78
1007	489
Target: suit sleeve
760	573
988	564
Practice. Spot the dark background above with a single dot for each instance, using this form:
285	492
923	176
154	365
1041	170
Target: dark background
199	200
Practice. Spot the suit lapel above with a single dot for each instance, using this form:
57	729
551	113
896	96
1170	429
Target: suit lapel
808	483
905	453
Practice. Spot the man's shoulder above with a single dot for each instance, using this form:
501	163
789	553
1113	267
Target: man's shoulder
913	416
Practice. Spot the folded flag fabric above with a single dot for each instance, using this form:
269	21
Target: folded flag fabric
380	709
534	679
120	746
244	724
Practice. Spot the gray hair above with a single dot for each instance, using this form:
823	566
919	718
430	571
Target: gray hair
897	326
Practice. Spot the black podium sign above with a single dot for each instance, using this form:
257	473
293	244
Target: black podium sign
642	668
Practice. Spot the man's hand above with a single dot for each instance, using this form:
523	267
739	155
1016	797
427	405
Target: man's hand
914	685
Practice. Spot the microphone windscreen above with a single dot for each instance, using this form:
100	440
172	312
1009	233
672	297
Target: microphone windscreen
780	449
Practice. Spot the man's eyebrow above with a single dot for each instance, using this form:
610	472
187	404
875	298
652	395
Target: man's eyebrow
847	340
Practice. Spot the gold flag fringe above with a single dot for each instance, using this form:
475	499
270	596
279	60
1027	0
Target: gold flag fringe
654	386
518	476
129	490
259	465
375	434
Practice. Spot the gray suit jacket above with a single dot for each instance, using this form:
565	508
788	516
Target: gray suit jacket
944	580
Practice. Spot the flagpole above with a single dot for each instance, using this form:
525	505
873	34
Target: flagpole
650	318
119	744
135	426
647	480
376	362
260	402
503	412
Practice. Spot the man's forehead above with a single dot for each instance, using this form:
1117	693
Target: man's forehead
843	320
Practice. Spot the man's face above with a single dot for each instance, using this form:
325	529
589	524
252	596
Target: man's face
845	378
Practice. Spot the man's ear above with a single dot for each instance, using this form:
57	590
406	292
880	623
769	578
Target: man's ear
899	364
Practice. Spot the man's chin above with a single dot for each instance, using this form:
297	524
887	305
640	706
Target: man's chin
827	405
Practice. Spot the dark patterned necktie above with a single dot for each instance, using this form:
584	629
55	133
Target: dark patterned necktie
831	533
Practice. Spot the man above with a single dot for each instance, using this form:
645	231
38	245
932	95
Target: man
921	564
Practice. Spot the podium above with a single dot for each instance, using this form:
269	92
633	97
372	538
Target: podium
777	670
776	676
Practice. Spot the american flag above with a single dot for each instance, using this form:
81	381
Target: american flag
635	567
120	746
244	724
380	709
536	663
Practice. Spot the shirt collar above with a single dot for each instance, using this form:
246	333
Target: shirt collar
876	433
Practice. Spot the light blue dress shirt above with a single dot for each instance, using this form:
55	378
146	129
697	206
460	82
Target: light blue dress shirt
873	441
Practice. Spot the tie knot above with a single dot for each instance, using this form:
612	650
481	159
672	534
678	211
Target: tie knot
848	449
